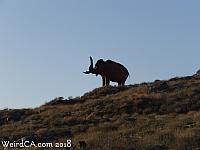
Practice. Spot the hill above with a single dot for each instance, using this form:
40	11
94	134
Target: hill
147	116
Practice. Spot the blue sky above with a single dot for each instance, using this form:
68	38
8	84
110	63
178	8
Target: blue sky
45	44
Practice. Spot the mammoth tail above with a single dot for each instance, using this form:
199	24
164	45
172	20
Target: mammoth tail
129	76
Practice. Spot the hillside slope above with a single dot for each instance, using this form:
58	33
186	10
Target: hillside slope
147	116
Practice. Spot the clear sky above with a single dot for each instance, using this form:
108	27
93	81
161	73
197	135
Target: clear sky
45	44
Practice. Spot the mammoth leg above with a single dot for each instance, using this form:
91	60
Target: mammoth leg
103	81
120	83
107	81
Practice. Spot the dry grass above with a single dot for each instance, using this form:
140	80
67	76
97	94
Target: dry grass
148	116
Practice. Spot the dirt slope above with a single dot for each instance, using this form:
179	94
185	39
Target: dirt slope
147	116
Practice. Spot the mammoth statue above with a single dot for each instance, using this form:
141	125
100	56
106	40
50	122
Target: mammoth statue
109	70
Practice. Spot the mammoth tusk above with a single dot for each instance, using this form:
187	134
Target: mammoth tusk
86	72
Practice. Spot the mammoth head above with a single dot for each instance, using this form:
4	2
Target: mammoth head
99	64
91	68
97	69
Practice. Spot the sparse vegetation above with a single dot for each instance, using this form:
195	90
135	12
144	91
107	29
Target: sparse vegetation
149	116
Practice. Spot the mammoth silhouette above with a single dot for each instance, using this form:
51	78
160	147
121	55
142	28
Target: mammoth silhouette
109	71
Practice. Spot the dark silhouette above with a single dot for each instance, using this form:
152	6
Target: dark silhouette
109	70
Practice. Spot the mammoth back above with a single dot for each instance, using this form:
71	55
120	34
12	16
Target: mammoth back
114	65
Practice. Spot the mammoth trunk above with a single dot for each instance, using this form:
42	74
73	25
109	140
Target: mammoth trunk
91	68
